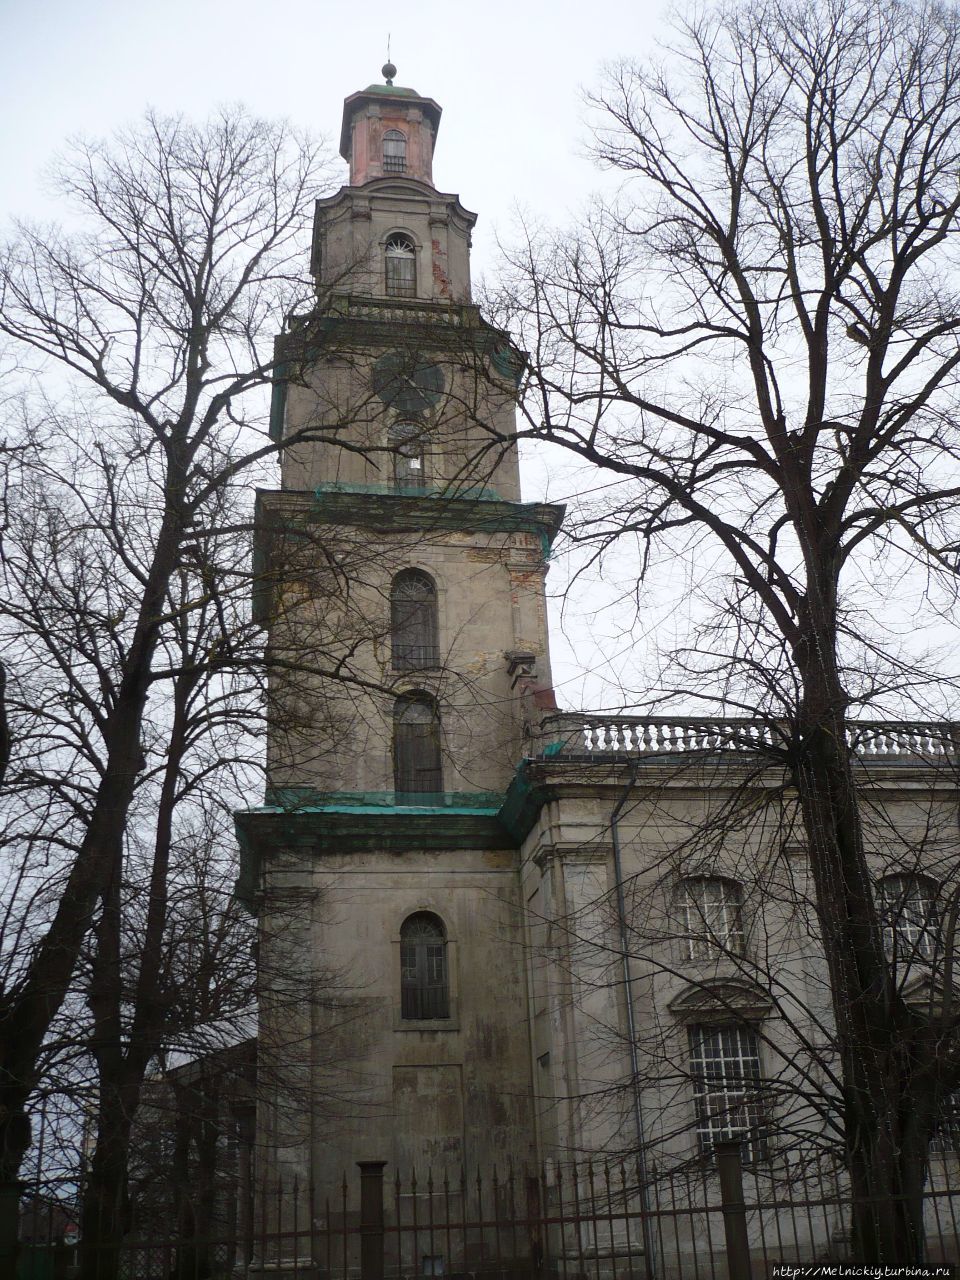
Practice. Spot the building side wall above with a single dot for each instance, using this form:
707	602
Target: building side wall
353	227
352	1080
336	735
669	829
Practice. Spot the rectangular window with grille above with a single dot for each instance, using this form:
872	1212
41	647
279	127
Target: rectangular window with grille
711	917
400	266
413	621
394	152
908	914
727	1086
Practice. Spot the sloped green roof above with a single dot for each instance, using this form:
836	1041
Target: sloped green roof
397	89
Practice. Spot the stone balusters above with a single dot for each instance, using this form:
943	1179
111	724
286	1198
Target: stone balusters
571	734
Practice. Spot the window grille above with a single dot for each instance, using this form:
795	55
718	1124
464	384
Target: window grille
416	744
394	152
908	916
711	917
946	1138
409	471
423	968
413	621
725	1070
400	267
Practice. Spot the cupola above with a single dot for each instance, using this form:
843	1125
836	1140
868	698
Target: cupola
389	131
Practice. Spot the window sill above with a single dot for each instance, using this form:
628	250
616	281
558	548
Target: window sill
426	1024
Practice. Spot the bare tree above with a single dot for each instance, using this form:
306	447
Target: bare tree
758	344
134	675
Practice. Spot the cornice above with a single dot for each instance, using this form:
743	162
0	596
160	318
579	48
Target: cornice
401	513
352	828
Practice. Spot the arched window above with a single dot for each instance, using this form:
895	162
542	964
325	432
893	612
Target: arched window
400	266
394	152
413	621
423	967
406	440
711	918
908	915
416	744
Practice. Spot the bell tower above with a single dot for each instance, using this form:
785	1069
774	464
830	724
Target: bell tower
388	130
406	397
403	588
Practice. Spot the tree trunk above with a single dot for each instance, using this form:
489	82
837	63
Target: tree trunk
122	1067
875	1033
14	1142
28	1011
887	1184
104	1218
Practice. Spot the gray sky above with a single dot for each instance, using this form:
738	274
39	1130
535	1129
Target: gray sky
508	75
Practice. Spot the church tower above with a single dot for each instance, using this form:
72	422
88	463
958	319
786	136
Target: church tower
402	583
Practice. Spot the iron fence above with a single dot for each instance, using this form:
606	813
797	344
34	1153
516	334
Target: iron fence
566	1221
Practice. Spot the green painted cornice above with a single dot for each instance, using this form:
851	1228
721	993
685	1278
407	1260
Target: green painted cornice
411	511
344	824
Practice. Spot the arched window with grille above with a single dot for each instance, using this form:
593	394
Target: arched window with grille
416	744
908	916
711	917
409	462
394	152
413	621
400	266
424	989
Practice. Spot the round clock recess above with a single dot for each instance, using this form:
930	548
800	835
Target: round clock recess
407	383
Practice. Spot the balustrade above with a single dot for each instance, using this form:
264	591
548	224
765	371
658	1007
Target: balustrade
570	734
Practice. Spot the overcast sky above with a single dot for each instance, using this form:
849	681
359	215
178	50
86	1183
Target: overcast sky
509	75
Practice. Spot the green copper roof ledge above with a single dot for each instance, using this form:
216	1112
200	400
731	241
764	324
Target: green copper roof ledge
278	403
344	822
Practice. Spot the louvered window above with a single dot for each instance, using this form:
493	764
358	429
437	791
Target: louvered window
725	1070
400	267
423	968
416	745
413	621
394	152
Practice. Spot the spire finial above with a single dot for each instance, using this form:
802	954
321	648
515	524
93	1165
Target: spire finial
388	70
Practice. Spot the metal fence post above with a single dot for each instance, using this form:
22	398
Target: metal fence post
732	1204
371	1219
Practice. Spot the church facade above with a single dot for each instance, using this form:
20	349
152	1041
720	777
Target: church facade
492	931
